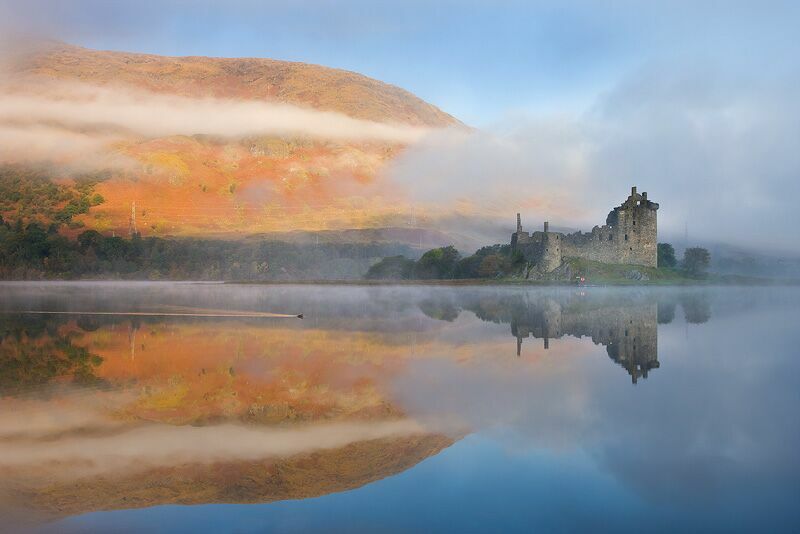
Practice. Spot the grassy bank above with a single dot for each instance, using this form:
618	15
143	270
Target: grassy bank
597	273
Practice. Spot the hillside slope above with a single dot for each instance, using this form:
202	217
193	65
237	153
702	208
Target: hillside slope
287	82
193	183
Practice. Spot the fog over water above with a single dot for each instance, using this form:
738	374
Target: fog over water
676	403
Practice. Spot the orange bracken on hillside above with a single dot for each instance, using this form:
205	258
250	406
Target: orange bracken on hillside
202	185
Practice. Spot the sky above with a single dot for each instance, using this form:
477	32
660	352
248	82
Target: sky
479	60
694	101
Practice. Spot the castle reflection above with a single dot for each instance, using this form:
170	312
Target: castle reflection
629	333
625	324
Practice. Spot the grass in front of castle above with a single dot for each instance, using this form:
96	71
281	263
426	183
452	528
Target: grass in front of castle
595	273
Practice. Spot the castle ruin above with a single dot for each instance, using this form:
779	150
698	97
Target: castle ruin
628	237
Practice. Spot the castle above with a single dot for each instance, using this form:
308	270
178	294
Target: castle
628	237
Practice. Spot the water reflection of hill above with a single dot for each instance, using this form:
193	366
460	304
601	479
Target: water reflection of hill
299	476
58	436
166	375
341	365
33	353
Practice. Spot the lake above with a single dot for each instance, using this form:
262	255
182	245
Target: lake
170	407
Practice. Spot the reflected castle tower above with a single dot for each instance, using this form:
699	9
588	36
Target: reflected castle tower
624	322
629	333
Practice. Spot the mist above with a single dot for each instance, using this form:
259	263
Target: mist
118	449
716	150
138	112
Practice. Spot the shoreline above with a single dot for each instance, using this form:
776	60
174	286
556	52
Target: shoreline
523	283
727	281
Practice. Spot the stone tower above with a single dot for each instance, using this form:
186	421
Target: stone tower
634	226
551	249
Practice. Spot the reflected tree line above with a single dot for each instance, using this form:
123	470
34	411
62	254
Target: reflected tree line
626	325
36	351
41	350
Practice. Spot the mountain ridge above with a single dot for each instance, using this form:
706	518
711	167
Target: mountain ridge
292	82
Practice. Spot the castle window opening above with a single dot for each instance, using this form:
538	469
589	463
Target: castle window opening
626	237
610	237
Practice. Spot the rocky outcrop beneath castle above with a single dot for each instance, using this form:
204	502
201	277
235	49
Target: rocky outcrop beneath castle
628	237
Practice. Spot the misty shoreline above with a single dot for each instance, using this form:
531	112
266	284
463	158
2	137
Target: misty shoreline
722	280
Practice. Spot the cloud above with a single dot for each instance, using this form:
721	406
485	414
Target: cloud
533	165
72	150
82	127
717	150
78	106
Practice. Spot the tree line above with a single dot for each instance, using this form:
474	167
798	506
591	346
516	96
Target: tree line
33	251
446	263
498	261
696	260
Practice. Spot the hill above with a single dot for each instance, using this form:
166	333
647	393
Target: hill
198	181
287	82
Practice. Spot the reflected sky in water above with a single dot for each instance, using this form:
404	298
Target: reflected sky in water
398	408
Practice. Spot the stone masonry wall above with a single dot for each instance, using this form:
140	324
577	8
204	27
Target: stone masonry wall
630	236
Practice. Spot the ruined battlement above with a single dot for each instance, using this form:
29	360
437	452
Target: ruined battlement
628	237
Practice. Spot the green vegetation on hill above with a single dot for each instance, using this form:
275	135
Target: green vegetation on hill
31	195
33	353
33	247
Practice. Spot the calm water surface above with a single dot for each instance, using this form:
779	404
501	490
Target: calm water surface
148	407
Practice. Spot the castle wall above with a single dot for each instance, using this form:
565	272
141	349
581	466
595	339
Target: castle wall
543	249
630	236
